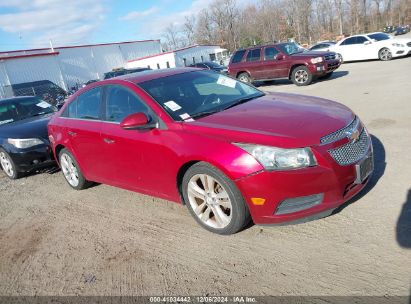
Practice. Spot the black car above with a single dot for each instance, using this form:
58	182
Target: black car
210	66
45	89
121	72
24	144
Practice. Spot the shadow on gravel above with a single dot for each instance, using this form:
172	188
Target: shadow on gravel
404	224
284	81
379	169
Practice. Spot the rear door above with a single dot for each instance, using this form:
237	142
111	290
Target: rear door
82	127
254	64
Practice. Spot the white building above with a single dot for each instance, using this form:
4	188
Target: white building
70	65
181	57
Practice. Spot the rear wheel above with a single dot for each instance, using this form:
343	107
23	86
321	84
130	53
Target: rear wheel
71	171
214	200
244	77
339	56
385	54
301	76
8	165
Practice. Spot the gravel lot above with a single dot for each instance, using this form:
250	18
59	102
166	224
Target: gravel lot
108	241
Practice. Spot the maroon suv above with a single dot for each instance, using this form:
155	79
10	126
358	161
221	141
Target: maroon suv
282	60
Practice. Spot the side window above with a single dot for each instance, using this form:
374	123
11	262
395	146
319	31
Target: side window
238	56
318	46
88	104
361	40
120	102
253	55
349	41
270	53
85	106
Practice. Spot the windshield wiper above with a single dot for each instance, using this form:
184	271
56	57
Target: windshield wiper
205	113
236	103
242	100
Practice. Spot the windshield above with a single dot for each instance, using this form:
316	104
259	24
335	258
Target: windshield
192	95
379	36
22	108
291	48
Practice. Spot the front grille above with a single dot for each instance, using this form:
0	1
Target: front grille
351	152
330	56
409	44
337	135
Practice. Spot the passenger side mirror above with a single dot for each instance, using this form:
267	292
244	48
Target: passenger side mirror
138	121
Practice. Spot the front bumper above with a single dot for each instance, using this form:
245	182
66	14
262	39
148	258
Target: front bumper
31	159
329	66
335	184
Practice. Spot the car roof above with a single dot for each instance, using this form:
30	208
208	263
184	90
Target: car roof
153	74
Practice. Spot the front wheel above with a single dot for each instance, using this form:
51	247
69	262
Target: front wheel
213	200
301	76
71	171
385	54
8	165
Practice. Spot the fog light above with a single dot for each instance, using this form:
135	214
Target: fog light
258	201
299	203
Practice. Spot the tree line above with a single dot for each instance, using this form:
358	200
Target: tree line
232	25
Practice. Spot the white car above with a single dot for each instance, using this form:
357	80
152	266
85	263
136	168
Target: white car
370	46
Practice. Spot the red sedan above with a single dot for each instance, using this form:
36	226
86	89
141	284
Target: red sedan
228	151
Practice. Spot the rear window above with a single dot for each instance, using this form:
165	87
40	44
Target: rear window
238	56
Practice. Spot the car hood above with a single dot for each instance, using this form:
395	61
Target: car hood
311	54
34	127
284	120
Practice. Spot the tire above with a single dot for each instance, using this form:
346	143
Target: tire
8	166
341	57
202	201
244	77
385	54
301	76
71	171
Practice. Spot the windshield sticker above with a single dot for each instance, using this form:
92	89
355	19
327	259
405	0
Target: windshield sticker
186	117
226	81
43	105
173	106
6	121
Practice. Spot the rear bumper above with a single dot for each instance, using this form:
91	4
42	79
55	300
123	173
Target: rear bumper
334	184
31	159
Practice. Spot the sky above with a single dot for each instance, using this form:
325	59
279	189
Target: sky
26	24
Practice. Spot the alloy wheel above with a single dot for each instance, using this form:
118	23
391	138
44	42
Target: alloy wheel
209	201
244	78
385	54
6	164
301	76
69	169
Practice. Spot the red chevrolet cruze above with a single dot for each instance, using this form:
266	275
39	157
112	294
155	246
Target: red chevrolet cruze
228	151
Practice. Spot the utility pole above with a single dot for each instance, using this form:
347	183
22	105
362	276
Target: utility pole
51	46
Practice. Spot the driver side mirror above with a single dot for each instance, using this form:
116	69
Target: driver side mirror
138	121
280	57
367	42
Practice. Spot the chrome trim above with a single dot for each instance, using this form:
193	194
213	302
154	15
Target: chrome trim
341	133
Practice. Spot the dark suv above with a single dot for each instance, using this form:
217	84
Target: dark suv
282	60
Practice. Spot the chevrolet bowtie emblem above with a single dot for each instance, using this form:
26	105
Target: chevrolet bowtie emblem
353	135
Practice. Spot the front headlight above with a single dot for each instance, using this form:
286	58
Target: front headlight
24	143
316	60
398	45
280	159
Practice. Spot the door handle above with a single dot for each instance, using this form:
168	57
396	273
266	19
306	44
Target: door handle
71	133
108	141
